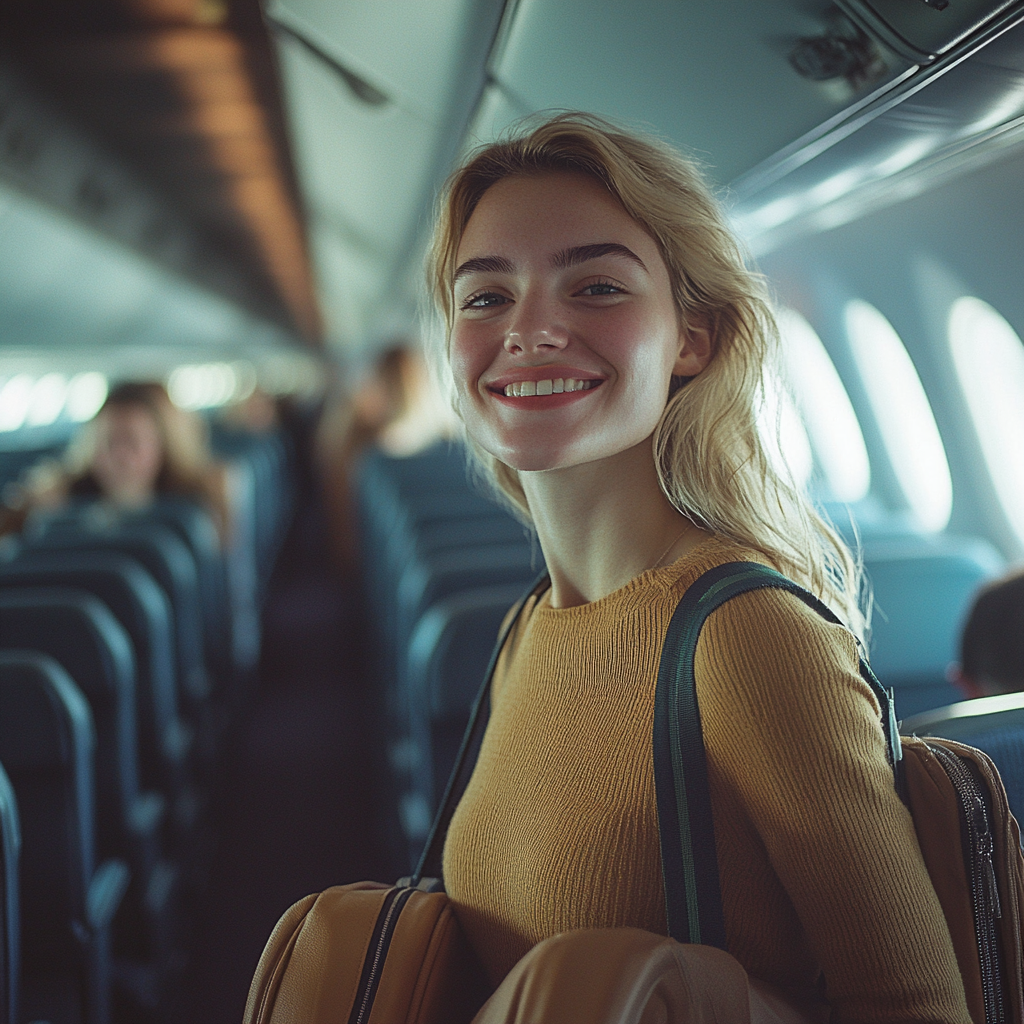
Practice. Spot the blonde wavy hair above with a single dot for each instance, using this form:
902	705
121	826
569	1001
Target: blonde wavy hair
711	461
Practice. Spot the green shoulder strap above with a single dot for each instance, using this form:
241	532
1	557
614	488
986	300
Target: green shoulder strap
688	856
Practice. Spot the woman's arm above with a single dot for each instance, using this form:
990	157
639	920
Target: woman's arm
794	734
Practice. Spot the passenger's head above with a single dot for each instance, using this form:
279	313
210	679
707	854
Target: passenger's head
992	645
142	445
708	351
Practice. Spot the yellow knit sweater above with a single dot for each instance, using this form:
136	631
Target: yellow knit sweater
823	886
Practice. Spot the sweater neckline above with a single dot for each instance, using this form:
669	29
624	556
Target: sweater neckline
663	576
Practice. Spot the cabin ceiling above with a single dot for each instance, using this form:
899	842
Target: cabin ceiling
180	97
287	158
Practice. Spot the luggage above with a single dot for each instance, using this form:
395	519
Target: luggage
351	955
388	956
968	837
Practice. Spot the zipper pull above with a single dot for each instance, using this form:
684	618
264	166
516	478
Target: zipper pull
993	888
984	853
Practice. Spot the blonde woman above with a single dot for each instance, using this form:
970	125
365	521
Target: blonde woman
606	347
138	446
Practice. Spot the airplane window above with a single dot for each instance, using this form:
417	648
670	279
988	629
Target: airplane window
47	400
210	385
989	358
904	415
783	433
86	393
29	401
15	398
825	408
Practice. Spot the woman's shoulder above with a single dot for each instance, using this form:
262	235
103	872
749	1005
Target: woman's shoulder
767	622
713	551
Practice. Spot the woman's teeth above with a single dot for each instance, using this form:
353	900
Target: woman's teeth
529	388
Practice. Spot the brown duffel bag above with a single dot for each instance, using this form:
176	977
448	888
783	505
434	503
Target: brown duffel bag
351	955
954	791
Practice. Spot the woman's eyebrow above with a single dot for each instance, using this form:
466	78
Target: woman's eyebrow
581	253
485	265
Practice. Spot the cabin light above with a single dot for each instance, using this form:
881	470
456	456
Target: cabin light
86	394
47	400
1009	106
245	379
906	155
15	396
204	386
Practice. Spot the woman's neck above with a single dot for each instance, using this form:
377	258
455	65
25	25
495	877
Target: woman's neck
603	523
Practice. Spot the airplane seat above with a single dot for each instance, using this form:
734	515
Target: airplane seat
166	743
427	581
10	918
447	658
164	555
266	461
82	635
194	526
923	587
67	902
14	461
993	724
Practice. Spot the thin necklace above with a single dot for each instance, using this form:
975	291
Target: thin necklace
657	563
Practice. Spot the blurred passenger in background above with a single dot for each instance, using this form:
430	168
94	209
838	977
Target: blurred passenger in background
394	408
992	645
138	447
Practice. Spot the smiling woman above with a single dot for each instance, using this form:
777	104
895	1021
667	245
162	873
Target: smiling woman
605	346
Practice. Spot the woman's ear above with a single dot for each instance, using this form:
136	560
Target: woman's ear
694	351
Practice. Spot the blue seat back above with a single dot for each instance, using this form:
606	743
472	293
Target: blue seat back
993	724
923	588
47	747
80	633
10	919
163	554
140	605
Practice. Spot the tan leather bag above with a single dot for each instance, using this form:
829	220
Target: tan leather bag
629	976
367	956
981	892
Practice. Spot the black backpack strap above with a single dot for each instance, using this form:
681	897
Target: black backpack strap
688	855
430	862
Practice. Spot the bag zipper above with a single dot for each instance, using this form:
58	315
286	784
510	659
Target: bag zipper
380	941
984	888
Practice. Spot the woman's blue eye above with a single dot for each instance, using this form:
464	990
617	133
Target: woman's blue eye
484	300
602	288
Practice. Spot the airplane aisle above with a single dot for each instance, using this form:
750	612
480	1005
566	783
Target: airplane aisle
296	813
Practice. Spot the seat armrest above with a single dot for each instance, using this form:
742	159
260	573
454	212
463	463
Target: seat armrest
106	891
146	814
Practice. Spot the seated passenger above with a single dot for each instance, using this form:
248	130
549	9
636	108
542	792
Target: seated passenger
605	347
391	407
992	645
138	446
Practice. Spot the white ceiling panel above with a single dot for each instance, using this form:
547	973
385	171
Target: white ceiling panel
363	168
64	286
713	76
497	110
409	49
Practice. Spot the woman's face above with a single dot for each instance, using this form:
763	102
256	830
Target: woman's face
566	333
129	453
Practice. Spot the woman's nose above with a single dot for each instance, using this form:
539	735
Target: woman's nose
534	330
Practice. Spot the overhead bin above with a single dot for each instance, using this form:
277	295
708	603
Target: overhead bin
926	29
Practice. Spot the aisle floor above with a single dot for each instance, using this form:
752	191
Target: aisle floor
304	802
